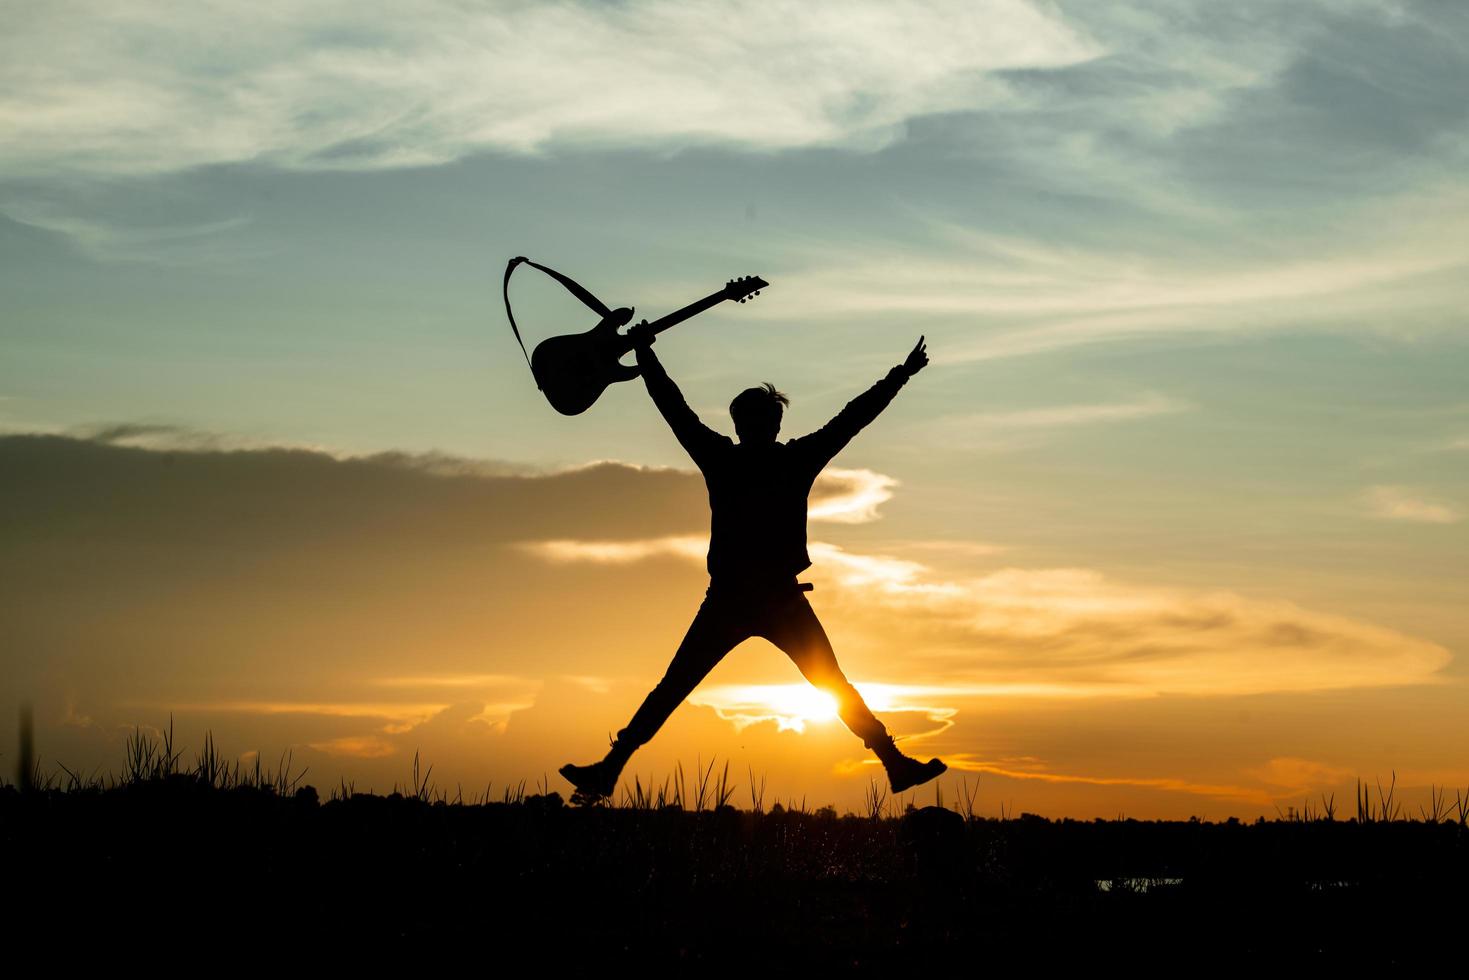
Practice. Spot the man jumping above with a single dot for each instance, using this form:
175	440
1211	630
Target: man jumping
757	546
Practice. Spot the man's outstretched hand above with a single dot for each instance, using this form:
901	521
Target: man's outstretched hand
916	360
640	335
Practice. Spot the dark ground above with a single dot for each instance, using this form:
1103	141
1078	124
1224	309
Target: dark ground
179	866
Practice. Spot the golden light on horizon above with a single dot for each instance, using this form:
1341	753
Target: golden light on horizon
791	706
794	706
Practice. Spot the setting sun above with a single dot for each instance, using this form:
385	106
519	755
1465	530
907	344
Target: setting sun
791	706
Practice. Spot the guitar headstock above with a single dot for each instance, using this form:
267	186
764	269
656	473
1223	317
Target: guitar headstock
743	288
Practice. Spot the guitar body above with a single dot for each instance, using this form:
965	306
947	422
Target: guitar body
574	369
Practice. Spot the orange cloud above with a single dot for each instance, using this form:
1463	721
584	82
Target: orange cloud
1295	775
451	680
1074	631
849	496
1395	503
618	552
1245	794
390	711
355	746
597	685
1077	627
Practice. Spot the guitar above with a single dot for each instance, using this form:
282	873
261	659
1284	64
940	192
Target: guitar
574	369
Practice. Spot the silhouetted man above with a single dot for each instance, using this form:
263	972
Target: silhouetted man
757	546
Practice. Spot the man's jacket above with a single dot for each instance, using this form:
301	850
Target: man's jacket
757	493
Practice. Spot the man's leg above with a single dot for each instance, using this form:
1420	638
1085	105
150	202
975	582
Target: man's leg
791	624
717	629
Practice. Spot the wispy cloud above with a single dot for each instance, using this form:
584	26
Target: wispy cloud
496	697
1074	632
123	89
968	549
1063	416
591	682
355	746
454	680
496	716
394	713
389	718
839	496
1293	776
150	87
168	437
174	438
200	243
879	572
74	718
849	496
1372	269
618	552
976	272
968	762
1013	429
1399	503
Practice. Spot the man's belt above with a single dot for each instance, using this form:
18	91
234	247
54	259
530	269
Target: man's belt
759	588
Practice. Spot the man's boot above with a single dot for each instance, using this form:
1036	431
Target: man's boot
599	779
904	772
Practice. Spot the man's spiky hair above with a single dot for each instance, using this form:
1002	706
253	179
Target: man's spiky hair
775	395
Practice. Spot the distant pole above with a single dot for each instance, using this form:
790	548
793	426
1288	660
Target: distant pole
27	749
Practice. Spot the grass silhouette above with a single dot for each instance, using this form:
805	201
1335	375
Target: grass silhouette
154	758
673	874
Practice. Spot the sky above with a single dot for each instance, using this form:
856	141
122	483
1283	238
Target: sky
1173	524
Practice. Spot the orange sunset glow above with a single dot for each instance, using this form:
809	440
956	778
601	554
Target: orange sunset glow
1166	514
482	622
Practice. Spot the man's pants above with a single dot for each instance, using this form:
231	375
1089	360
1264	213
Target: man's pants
725	620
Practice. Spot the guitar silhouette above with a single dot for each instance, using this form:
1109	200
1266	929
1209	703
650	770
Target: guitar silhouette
574	369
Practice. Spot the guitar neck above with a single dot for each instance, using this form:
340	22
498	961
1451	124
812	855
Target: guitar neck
693	309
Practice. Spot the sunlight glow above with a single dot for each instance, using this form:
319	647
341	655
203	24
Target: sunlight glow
791	706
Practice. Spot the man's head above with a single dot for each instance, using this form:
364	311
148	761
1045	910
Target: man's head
756	413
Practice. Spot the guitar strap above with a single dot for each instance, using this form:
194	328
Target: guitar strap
572	286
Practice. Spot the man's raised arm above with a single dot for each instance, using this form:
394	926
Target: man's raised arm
696	437
828	440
